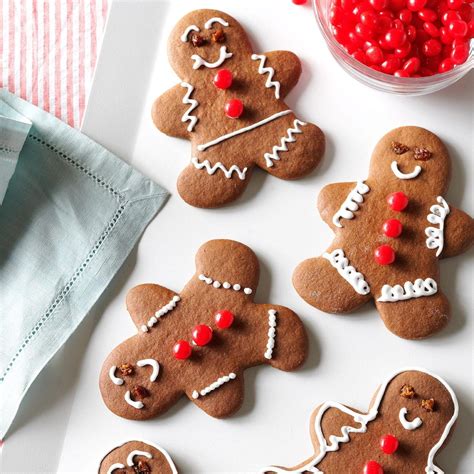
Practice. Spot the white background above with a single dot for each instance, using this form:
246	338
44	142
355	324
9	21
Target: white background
63	425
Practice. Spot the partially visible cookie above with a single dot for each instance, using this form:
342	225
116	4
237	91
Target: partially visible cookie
137	457
230	105
410	419
390	232
198	342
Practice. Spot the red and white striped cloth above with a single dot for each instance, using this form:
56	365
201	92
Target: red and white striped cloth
48	51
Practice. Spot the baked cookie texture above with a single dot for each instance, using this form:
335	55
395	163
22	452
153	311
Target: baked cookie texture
225	150
215	318
137	457
400	213
410	419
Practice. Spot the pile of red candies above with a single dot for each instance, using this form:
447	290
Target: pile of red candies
404	38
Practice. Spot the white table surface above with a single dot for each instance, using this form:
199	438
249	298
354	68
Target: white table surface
63	425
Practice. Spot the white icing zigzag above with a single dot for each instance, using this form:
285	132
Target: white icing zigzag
161	312
437	216
351	204
409	290
193	103
226	285
274	155
339	261
267	70
218	383
219	166
272	314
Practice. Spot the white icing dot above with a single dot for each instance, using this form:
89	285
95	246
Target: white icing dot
226	285
232	375
176	298
202	277
145	328
248	291
195	394
237	287
216	284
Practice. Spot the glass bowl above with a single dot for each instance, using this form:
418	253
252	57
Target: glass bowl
379	80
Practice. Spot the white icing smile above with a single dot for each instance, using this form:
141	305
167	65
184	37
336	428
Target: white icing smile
401	175
223	55
409	425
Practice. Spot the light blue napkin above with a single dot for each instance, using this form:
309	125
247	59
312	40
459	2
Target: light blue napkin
72	213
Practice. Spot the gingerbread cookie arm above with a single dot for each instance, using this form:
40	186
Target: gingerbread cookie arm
174	111
282	69
340	202
285	342
330	283
148	303
459	233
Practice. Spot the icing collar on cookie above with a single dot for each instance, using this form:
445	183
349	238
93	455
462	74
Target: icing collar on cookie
402	175
198	61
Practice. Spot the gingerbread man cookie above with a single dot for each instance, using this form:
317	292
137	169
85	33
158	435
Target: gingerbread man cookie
199	342
230	105
409	420
137	457
390	232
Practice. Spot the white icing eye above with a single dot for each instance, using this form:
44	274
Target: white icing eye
185	35
400	175
211	21
409	425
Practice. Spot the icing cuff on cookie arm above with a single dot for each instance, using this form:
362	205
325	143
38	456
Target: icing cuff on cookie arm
193	103
334	441
351	204
437	217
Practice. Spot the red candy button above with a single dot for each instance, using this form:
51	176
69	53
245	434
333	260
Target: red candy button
397	201
392	228
182	350
373	467
299	2
202	334
224	319
234	108
384	255
223	79
388	444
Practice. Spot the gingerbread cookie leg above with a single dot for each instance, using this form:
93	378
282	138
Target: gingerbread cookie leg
207	185
416	318
330	283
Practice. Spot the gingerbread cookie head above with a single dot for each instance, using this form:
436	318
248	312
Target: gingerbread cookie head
410	419
390	232
229	103
412	158
204	40
199	342
137	457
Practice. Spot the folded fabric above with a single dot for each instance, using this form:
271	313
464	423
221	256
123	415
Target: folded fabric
14	129
72	213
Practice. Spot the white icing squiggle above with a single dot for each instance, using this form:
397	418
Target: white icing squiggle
267	70
218	383
339	261
437	216
409	425
211	21
222	138
427	287
193	103
219	166
137	452
184	36
161	312
155	366
351	204
114	466
115	380
272	314
223	55
363	420
226	285
290	138
135	404
402	175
